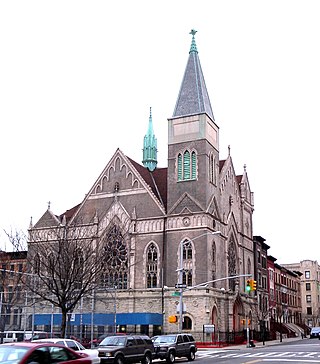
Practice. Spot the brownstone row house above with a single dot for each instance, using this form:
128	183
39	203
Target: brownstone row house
12	289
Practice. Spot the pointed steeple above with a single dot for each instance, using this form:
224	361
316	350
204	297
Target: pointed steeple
150	147
193	96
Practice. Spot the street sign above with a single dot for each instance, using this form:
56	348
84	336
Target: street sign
184	310
175	293
180	285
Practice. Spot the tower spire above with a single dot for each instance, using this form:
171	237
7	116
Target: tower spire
193	97
150	147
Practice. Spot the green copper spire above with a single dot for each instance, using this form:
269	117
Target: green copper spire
193	47
150	148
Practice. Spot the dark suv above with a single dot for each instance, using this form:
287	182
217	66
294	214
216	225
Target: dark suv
126	349
175	345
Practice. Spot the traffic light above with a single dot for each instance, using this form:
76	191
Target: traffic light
173	319
248	285
253	284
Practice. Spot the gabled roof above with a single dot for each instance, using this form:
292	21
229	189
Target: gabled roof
193	97
69	213
156	179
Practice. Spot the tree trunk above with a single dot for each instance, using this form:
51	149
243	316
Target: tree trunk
64	314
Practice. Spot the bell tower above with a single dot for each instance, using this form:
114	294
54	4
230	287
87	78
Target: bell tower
193	141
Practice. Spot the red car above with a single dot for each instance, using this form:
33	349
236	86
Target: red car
40	353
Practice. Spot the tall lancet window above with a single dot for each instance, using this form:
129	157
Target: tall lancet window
214	263
187	166
152	266
212	176
187	263
232	267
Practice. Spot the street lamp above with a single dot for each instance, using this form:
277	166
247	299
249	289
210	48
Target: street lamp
180	281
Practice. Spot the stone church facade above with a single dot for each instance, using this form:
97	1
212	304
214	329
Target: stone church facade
149	213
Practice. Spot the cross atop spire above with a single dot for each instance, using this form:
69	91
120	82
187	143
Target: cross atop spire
193	47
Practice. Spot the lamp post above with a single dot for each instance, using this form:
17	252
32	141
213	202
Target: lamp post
180	280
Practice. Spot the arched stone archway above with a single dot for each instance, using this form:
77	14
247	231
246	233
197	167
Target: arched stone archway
238	315
214	319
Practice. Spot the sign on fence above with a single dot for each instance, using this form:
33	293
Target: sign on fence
208	329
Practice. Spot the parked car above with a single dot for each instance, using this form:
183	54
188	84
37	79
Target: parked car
126	348
31	352
42	335
15	336
315	332
97	341
74	345
169	347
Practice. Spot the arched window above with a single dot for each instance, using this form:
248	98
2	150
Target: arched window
152	266
212	174
187	166
214	268
116	260
193	165
179	167
37	264
232	268
187	263
187	323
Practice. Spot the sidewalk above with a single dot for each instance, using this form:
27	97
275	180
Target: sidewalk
257	344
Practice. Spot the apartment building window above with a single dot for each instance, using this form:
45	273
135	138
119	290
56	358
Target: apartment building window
309	310
11	270
308	286
271	294
3	270
308	297
259	257
264	262
264	282
307	274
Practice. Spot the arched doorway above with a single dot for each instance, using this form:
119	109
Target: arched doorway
214	320
238	315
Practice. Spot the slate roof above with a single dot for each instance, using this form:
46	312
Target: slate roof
193	97
156	179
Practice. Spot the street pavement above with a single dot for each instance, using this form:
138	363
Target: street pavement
257	344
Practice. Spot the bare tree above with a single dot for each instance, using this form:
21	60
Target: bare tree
12	268
65	263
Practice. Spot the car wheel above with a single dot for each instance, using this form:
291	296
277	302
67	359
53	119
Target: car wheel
192	355
147	359
119	359
171	357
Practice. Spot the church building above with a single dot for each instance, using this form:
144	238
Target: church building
180	238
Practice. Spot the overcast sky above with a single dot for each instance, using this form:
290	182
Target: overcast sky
77	79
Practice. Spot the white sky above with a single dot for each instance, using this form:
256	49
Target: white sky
77	79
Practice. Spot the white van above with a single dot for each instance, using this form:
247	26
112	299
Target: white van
14	336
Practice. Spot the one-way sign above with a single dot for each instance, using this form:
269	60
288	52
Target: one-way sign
180	285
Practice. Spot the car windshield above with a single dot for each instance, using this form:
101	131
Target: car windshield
169	339
113	341
11	354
